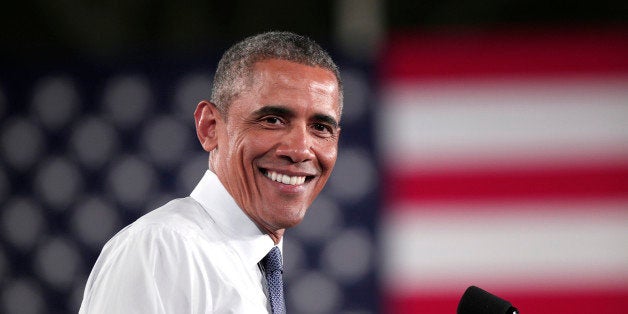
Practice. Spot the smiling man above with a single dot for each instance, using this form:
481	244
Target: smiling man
271	130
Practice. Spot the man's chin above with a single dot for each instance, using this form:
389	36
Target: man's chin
290	220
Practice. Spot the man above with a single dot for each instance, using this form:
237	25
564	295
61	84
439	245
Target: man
271	130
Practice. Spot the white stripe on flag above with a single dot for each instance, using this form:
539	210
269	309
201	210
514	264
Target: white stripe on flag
438	125
535	246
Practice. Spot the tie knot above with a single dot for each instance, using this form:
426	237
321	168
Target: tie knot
272	260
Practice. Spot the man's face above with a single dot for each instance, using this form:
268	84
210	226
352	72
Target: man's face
279	142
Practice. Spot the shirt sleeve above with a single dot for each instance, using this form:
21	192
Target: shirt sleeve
146	271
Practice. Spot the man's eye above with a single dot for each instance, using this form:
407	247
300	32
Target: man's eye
322	128
272	120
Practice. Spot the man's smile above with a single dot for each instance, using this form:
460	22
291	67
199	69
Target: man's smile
285	178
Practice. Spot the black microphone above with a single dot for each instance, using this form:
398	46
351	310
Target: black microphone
478	301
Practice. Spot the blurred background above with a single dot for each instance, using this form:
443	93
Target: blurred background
484	143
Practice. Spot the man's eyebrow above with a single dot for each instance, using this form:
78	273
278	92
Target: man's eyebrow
286	112
326	119
273	110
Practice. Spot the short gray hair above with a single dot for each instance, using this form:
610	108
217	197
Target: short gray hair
234	68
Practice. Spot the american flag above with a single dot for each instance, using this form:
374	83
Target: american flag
505	157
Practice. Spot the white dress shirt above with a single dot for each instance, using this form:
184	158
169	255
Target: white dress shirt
197	254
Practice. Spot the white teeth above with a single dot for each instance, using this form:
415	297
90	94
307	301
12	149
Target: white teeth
284	178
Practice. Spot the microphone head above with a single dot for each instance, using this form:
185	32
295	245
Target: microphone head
477	301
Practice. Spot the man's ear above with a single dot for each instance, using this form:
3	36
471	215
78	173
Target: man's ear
205	116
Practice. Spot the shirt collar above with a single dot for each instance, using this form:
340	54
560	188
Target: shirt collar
243	234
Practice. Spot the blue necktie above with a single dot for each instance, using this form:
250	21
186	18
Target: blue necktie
273	269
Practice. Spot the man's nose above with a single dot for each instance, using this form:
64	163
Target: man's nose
296	145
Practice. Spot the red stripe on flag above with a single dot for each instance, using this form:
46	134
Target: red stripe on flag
462	54
556	303
575	183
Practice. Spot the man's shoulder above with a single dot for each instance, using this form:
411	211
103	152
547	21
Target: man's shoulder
180	212
182	218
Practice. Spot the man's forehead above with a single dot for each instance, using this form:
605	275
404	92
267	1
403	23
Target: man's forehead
260	72
279	64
